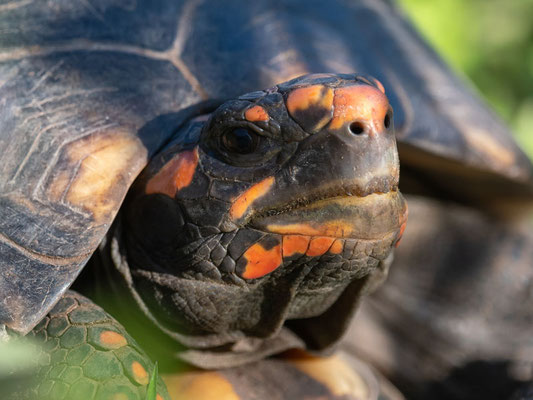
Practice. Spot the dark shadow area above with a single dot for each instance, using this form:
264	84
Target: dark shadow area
477	380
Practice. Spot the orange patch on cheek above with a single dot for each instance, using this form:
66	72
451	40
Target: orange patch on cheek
293	244
336	247
358	103
112	339
241	204
256	113
175	175
158	397
261	261
139	373
319	246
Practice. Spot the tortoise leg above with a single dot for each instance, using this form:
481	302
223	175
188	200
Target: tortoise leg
91	356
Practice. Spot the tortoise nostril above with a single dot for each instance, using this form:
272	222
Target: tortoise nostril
386	121
357	128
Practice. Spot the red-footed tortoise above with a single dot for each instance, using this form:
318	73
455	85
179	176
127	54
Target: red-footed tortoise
255	225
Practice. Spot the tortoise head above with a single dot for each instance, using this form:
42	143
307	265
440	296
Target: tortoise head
271	208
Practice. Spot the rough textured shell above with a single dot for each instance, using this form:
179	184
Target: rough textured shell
90	90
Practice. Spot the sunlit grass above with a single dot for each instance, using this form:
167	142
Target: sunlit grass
151	392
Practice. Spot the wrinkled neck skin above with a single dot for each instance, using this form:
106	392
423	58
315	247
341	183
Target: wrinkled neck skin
237	256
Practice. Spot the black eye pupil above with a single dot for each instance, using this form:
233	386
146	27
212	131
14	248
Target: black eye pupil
240	141
386	122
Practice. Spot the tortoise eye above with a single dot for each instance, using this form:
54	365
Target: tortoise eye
240	141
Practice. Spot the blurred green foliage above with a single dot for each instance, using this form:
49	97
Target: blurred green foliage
491	42
19	362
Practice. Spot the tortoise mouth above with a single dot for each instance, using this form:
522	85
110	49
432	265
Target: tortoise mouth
342	212
377	185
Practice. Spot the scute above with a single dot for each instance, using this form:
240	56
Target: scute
76	129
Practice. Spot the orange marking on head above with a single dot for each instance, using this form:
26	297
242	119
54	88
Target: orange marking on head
317	96
303	98
335	228
241	204
139	373
293	244
256	113
319	246
359	103
336	247
175	175
112	339
158	397
261	261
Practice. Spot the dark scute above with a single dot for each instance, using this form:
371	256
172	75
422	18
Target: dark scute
126	22
483	380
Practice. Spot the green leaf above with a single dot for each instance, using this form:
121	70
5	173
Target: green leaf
151	392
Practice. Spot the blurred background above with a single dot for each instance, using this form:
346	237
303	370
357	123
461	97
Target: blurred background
490	42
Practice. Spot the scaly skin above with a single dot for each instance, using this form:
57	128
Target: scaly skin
90	356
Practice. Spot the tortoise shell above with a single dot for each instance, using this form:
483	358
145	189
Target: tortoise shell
91	91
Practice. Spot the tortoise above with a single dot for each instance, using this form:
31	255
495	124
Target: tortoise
94	93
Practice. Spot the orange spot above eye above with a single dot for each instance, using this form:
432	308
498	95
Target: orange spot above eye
139	373
175	175
336	247
319	246
241	204
261	261
359	103
112	340
256	113
293	244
